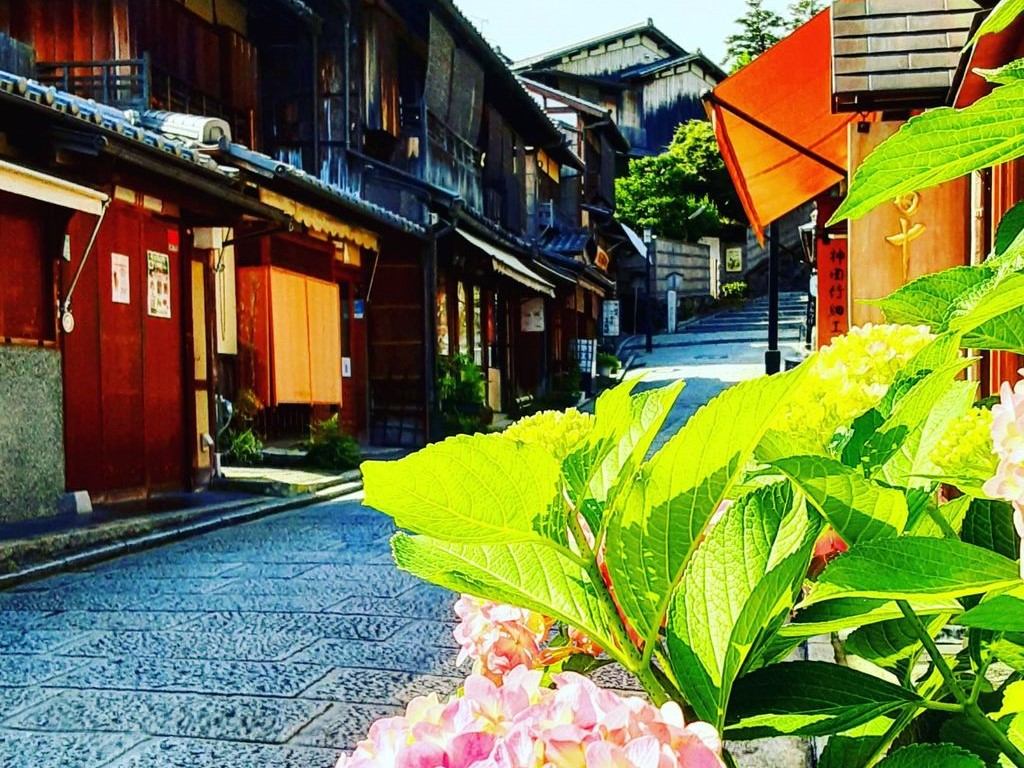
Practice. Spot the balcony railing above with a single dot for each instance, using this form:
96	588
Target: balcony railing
444	159
124	83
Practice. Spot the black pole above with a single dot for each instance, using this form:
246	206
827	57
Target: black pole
773	357
648	310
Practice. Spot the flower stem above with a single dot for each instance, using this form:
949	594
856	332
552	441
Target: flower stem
970	708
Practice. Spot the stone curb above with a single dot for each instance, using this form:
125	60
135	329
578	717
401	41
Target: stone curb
201	522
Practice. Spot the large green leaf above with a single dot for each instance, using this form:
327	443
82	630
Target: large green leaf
626	425
928	300
851	612
937	146
925	522
739	587
532	575
899	453
910	567
809	698
480	489
1012	224
858	508
989	524
856	747
932	755
1001	613
994	320
1002	16
657	523
890	644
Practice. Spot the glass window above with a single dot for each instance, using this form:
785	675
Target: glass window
443	339
478	345
463	321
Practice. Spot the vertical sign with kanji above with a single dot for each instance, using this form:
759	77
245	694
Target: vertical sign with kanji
833	290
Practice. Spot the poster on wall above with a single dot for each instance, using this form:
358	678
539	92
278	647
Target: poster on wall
610	321
346	367
120	287
159	271
532	311
733	259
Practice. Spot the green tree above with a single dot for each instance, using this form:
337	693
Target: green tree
760	29
684	193
802	11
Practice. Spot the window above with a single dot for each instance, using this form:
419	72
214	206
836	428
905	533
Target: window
478	347
443	336
463	321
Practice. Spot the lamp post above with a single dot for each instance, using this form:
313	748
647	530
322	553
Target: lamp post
648	309
773	356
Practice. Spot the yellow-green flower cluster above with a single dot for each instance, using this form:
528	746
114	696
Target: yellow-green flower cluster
966	450
557	431
853	374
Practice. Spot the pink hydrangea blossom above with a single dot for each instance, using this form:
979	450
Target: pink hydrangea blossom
522	725
1008	445
498	637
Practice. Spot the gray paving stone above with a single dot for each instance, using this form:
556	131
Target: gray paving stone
372	686
195	753
71	586
59	601
324	625
614	676
255	572
15	621
23	671
190	644
144	568
337	589
435	633
344	725
311	603
375	581
193	676
116	620
14	700
36	641
392	655
43	750
243	718
435	606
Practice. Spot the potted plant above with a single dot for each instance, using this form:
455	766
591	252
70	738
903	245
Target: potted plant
607	364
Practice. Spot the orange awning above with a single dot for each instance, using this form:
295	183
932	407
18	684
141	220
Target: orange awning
774	123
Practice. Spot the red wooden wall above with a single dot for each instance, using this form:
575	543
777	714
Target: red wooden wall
123	369
26	270
1007	191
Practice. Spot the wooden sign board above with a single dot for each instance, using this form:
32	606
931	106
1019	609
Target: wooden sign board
914	235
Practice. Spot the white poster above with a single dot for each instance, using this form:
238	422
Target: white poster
346	367
610	321
120	287
159	271
532	315
733	259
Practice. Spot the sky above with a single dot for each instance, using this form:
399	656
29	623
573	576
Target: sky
524	28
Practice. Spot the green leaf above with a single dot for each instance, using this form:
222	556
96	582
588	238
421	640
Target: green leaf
625	426
1012	223
737	590
1013	700
890	643
856	747
858	508
1002	16
657	523
480	489
809	698
1008	73
532	575
989	524
929	299
900	451
953	512
938	146
1009	649
909	567
994	320
851	612
932	755
1001	613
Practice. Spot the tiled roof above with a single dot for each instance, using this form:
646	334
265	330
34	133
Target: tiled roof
641	71
566	241
647	28
126	124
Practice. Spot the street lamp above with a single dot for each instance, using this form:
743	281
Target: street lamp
649	239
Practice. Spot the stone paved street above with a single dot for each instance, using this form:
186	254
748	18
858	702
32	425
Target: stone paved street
275	643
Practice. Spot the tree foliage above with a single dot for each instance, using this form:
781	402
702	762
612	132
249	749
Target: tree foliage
684	193
802	11
760	29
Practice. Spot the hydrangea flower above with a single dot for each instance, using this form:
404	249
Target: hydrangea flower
557	431
852	375
522	725
1008	444
498	637
966	450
